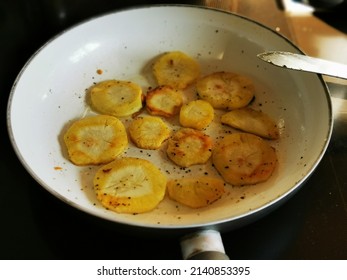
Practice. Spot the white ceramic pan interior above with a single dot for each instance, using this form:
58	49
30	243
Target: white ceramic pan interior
49	93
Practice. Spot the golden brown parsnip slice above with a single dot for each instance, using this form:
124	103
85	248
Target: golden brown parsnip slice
130	185
252	121
164	101
196	114
116	98
148	132
244	159
189	147
176	69
196	192
226	90
95	140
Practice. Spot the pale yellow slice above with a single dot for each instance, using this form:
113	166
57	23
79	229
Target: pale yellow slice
148	132
116	98
164	101
196	114
226	90
196	192
244	159
130	185
176	69
252	121
189	147
95	140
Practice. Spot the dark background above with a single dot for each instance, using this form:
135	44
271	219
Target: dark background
36	225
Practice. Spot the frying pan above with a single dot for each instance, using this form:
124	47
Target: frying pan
50	92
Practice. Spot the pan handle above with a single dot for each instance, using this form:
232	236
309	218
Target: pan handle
203	245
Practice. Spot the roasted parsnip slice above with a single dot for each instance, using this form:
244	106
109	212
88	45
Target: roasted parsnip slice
196	114
252	121
196	192
164	101
189	147
226	90
244	159
130	185
176	69
148	132
95	140
116	98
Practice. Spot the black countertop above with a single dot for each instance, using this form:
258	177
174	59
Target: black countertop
36	225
